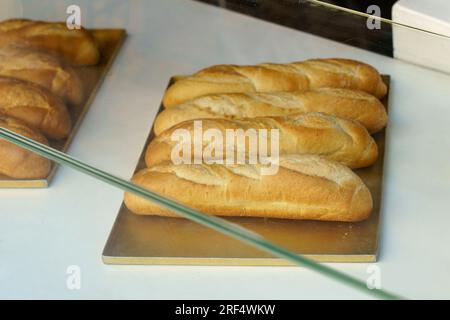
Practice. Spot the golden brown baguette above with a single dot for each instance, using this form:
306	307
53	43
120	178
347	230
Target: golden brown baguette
305	187
77	46
16	162
42	69
270	77
336	139
343	103
35	106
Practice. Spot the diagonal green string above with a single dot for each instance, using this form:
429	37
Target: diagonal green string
213	222
374	17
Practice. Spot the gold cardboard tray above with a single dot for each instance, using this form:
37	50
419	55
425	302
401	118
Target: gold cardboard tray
109	42
137	239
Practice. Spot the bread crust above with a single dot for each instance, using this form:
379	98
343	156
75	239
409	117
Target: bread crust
305	187
19	163
35	106
270	77
77	46
343	103
43	69
336	139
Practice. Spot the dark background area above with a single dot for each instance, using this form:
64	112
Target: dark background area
315	19
361	5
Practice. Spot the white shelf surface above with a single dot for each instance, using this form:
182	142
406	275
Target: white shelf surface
42	232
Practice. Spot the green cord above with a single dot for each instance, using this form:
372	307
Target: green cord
375	17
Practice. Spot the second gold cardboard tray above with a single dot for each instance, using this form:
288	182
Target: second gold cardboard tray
137	239
109	42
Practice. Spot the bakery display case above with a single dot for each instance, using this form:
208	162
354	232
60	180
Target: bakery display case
205	134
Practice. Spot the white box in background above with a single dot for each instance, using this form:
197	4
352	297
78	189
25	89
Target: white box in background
418	47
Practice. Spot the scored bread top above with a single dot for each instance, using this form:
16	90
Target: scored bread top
344	103
41	68
337	139
36	106
305	187
77	46
270	77
213	174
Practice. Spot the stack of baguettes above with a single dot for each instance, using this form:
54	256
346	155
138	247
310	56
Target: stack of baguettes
325	111
38	82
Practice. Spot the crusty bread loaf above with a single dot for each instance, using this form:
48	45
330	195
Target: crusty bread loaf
43	69
270	77
305	187
76	46
16	162
336	139
35	106
343	103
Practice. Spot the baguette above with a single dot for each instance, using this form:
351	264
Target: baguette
35	106
305	187
336	139
270	77
343	103
19	163
42	69
77	46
